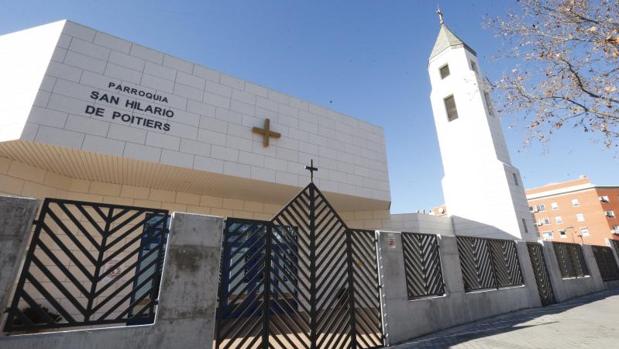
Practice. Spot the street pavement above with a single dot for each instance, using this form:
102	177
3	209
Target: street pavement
590	321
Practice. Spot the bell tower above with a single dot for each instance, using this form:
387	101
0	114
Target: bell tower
483	190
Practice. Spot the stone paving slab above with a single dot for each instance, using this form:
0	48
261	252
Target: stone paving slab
586	322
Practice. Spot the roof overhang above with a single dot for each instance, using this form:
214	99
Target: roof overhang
78	164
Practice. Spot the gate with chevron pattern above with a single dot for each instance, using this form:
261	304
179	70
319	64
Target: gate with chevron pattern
488	263
300	280
90	264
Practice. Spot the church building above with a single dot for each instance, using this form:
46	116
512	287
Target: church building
87	116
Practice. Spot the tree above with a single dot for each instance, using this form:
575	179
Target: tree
567	70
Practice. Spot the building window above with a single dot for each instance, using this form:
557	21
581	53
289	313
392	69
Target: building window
473	67
580	217
610	213
554	206
515	179
615	229
524	224
575	202
558	220
532	209
541	207
604	198
562	234
584	231
547	235
488	103
545	220
444	70
450	106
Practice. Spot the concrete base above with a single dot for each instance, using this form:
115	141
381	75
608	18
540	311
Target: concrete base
611	285
186	315
568	288
406	319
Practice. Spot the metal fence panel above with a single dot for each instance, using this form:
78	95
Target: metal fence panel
542	279
488	263
571	260
422	265
506	263
606	262
476	264
90	264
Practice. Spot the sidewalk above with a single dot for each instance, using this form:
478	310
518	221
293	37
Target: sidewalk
586	322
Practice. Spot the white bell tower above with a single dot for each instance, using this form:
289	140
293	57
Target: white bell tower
483	191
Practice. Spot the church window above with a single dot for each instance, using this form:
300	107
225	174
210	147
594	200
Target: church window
474	67
450	106
444	70
584	231
515	179
488	103
524	224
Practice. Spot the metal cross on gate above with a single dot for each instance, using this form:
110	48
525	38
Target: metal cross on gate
311	168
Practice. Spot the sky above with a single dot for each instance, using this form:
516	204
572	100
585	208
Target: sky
364	58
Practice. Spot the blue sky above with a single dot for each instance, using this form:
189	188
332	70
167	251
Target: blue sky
365	58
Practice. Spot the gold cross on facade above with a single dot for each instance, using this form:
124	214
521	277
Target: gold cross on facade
266	132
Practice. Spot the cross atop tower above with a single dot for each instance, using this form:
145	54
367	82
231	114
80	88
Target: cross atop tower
441	16
311	168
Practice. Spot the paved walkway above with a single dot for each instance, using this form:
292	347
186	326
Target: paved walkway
587	322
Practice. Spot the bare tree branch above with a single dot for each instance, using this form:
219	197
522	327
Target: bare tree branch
569	50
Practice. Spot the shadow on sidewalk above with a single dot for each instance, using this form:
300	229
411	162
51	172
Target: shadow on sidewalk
499	324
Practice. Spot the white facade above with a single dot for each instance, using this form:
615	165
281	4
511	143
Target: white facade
88	105
483	190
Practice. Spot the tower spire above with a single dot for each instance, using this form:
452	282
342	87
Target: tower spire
441	16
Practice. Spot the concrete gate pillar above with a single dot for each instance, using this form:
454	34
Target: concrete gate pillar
16	216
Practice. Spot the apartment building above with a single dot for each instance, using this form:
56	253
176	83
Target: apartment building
575	211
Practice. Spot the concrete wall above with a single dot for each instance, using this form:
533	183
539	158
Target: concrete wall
567	288
186	314
410	222
405	319
16	216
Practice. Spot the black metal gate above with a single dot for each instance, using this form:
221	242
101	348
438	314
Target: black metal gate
544	286
301	280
